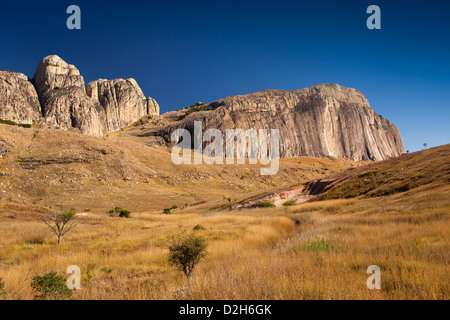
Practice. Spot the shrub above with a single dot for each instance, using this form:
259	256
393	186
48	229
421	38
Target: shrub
8	122
290	203
199	106
185	252
12	123
199	227
122	213
264	204
125	214
167	211
50	286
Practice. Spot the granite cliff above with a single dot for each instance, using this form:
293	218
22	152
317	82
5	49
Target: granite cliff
57	97
323	120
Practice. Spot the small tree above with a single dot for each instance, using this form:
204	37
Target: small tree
61	223
425	145
186	252
50	286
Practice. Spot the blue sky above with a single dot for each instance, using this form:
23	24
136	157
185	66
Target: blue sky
181	52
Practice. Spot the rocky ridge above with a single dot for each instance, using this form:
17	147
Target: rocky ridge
57	97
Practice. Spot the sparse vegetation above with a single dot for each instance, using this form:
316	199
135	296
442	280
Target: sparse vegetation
199	106
107	270
50	286
169	210
12	123
290	203
118	211
264	204
61	223
315	250
199	227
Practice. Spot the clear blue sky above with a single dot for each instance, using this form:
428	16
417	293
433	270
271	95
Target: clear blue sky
181	52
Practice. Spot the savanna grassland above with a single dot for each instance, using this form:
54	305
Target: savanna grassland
313	250
309	251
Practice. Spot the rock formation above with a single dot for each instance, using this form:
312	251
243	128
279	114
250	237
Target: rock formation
319	121
54	73
122	102
323	120
19	101
57	97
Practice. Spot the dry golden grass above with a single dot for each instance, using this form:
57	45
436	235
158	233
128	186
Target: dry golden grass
310	251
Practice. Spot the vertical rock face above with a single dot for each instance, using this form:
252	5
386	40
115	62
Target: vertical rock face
63	97
323	120
19	101
72	108
121	102
152	106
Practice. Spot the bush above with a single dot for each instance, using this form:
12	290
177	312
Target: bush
50	286
264	204
12	123
185	252
199	227
199	106
125	214
122	213
290	203
167	211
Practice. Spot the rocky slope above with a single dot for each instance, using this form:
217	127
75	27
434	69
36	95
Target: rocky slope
323	120
57	97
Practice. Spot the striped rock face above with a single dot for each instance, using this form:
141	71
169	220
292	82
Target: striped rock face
323	120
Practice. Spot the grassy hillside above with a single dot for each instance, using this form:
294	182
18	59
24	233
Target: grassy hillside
430	167
396	216
42	169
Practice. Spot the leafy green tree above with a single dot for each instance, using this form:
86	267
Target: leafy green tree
61	223
50	286
185	252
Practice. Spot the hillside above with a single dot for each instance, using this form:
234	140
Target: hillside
43	168
428	169
312	250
